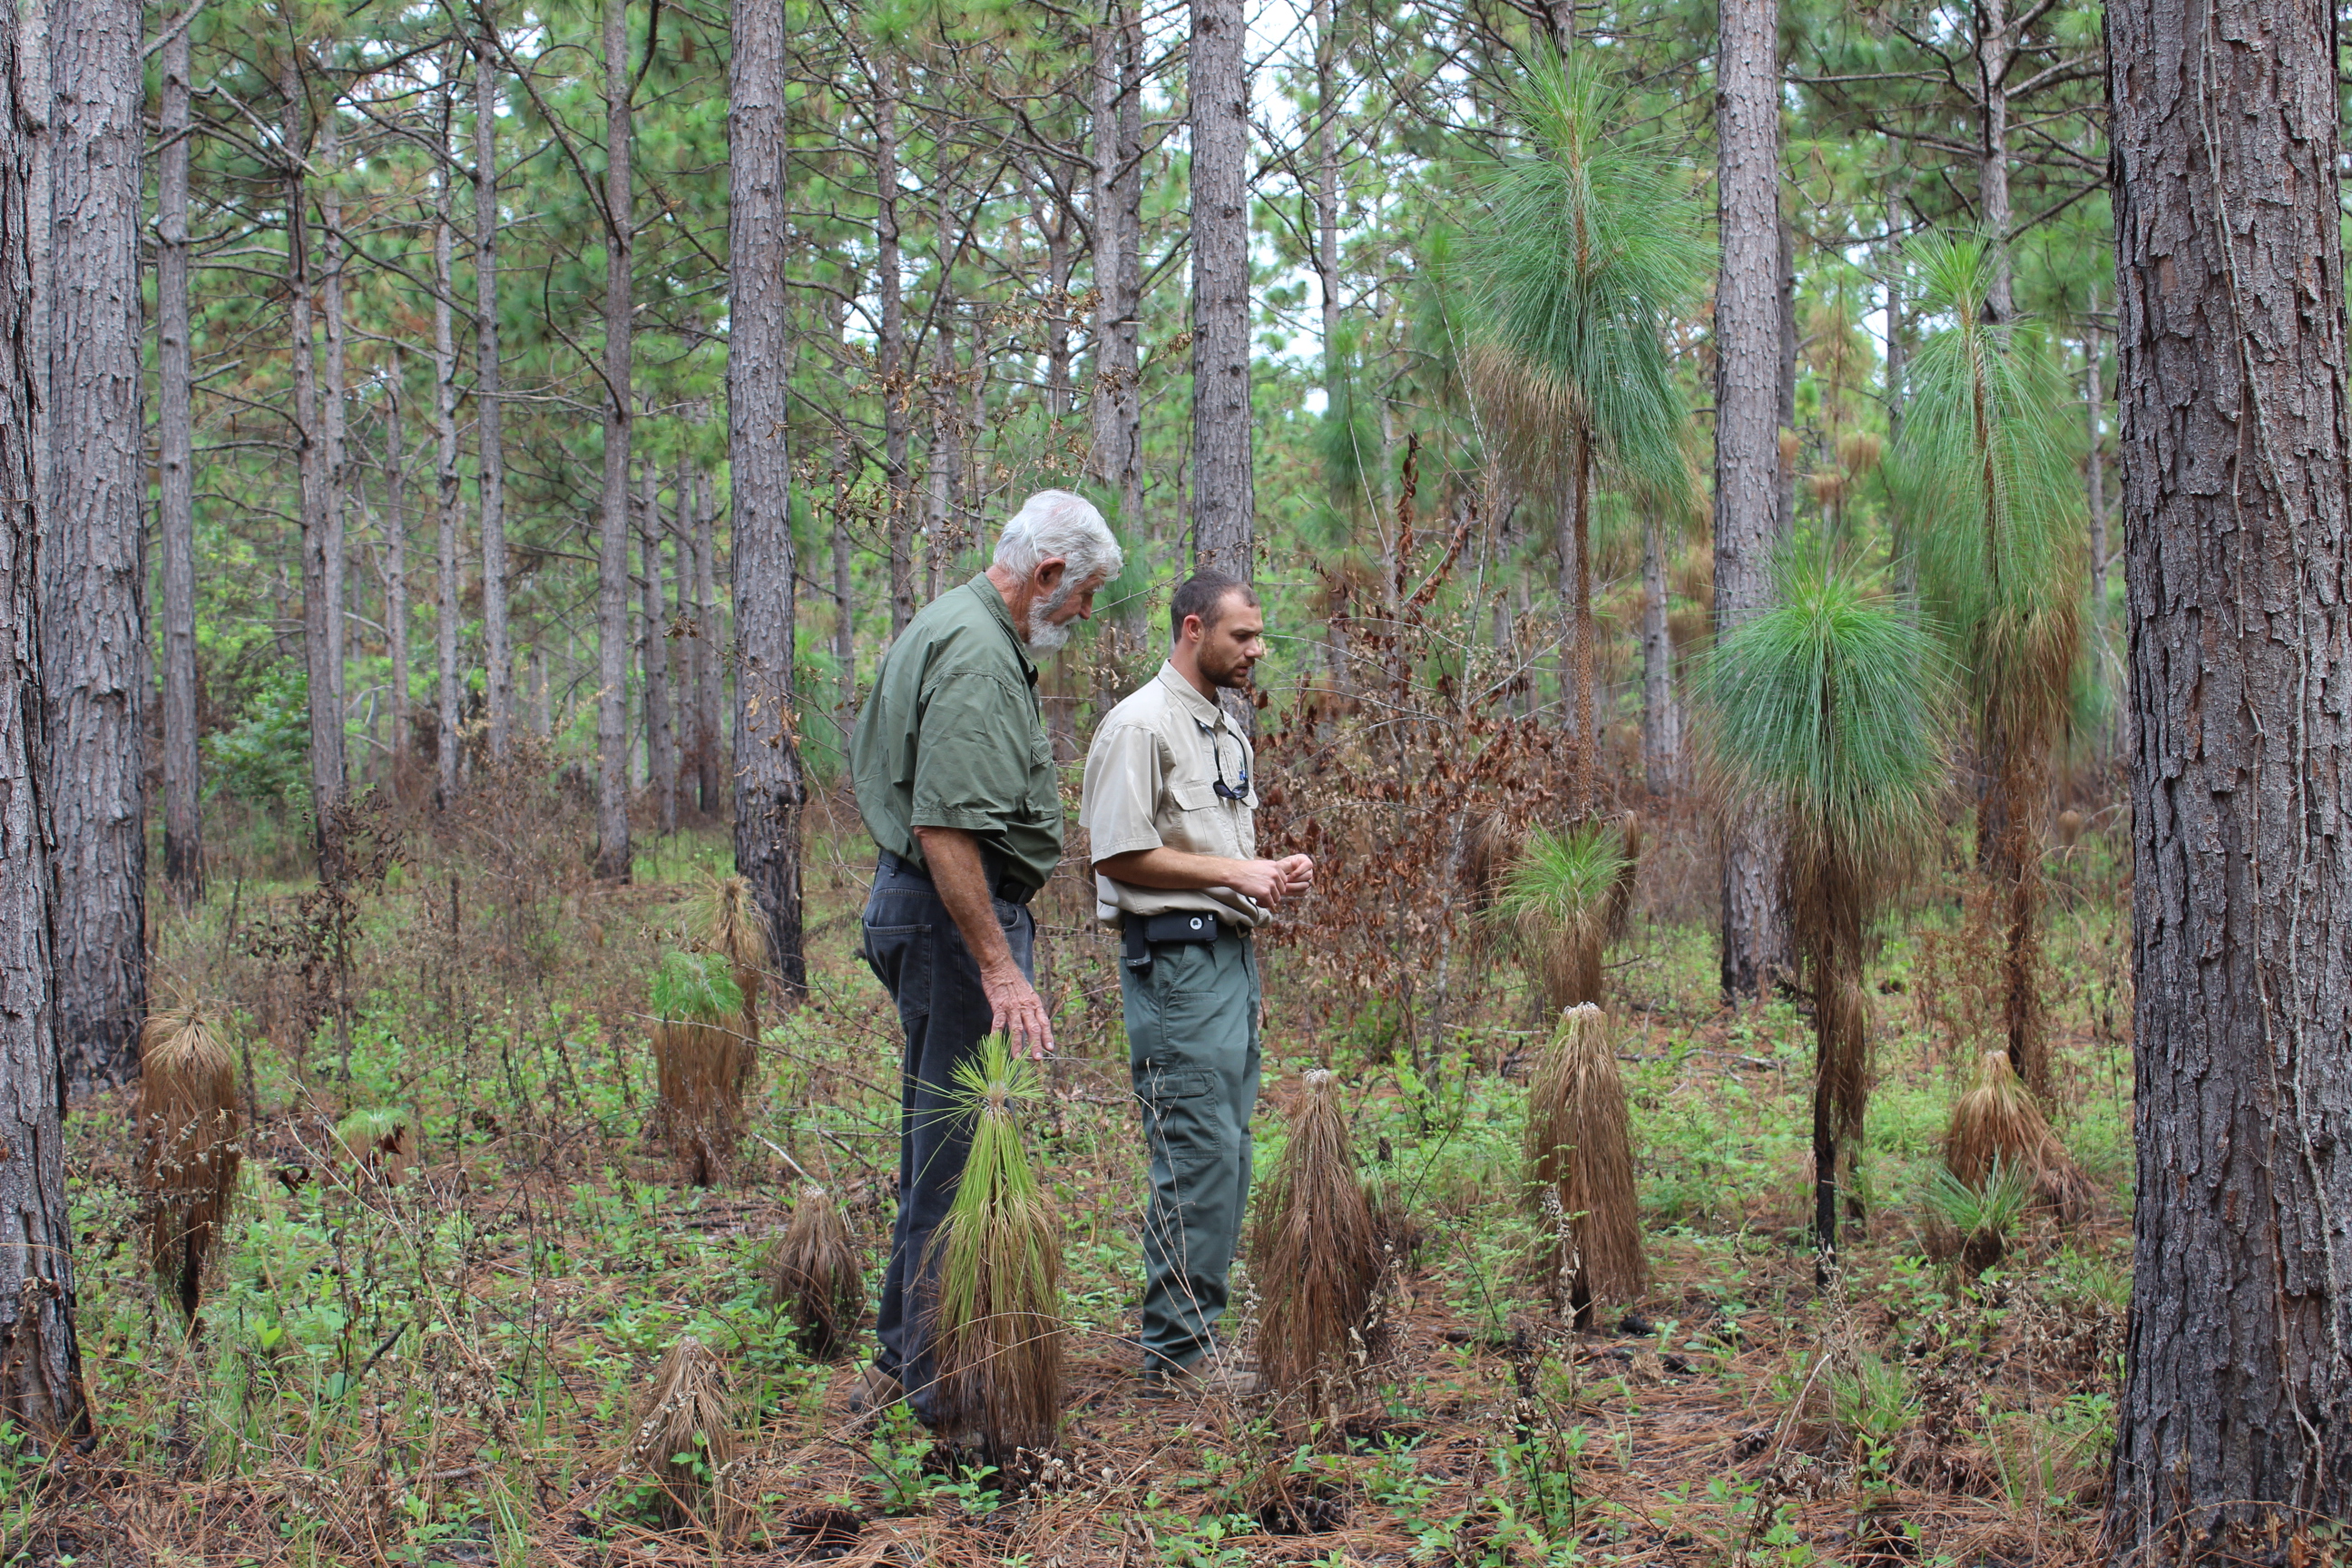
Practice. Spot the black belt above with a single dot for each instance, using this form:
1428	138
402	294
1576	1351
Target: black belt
1140	933
1000	882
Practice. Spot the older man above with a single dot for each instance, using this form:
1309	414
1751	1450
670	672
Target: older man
1169	811
956	783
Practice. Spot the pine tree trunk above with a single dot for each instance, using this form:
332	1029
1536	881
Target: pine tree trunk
318	633
93	572
709	677
331	408
41	1390
490	477
1223	503
768	792
444	495
2231	1430
845	606
395	576
890	349
183	859
1115	452
613	532
2095	475
661	745
946	453
694	647
1661	718
1994	54
1747	329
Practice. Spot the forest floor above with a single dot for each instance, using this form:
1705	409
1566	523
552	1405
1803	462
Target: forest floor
439	1353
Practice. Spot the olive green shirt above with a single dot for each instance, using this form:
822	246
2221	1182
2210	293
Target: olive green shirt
952	737
1151	783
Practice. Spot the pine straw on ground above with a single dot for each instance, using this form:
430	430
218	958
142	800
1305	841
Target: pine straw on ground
1666	1414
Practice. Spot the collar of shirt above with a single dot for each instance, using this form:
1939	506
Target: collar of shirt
987	590
1210	715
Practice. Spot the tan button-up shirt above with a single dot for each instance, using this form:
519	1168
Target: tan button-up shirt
1152	776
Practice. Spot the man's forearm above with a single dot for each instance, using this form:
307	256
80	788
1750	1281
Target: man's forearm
1170	870
953	857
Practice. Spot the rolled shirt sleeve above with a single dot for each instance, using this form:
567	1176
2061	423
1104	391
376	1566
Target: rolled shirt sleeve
1124	772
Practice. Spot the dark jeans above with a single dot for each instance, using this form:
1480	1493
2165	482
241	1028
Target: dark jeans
914	947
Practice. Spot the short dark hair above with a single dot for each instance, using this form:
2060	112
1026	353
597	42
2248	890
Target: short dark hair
1203	593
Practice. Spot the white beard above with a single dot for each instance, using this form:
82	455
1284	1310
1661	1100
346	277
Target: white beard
1043	636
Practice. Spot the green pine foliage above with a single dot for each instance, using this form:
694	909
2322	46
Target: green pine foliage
694	987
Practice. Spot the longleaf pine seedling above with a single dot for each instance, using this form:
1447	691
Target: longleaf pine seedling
1996	1125
1317	1255
188	1154
1563	899
685	1436
697	1069
1580	1149
813	1271
997	1329
732	926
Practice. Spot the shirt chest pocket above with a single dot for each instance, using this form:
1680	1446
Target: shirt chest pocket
1203	818
1045	794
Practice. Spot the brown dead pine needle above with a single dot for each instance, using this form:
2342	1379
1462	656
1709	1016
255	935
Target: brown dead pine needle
1579	1147
1316	1256
188	1133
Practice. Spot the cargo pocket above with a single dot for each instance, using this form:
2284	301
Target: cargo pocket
1183	1120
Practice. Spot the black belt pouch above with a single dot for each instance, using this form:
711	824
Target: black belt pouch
1180	925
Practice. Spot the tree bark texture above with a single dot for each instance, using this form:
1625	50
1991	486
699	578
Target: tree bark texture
613	532
2094	470
93	571
1116	454
1748	317
1996	53
183	859
335	444
661	742
395	574
1223	503
448	566
2236	1410
490	478
890	349
710	677
1662	727
769	791
319	640
40	1363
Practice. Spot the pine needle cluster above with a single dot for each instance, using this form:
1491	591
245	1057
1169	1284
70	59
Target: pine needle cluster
813	1271
685	1436
1580	1150
997	1332
1564	897
698	1059
1997	1126
1317	1254
188	1132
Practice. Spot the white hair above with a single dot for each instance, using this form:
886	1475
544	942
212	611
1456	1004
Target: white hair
1057	525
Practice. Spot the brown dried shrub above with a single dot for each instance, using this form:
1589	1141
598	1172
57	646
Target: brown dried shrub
188	1131
1580	1149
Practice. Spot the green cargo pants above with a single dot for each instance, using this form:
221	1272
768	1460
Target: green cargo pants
1192	1048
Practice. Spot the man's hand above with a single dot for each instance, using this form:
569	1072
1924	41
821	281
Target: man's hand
1300	869
1015	1008
1260	881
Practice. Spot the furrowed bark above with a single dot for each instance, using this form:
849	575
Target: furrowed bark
768	792
490	477
335	446
184	858
41	1392
1748	327
1224	502
1661	718
890	347
661	744
449	569
613	529
396	576
93	570
2234	1422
